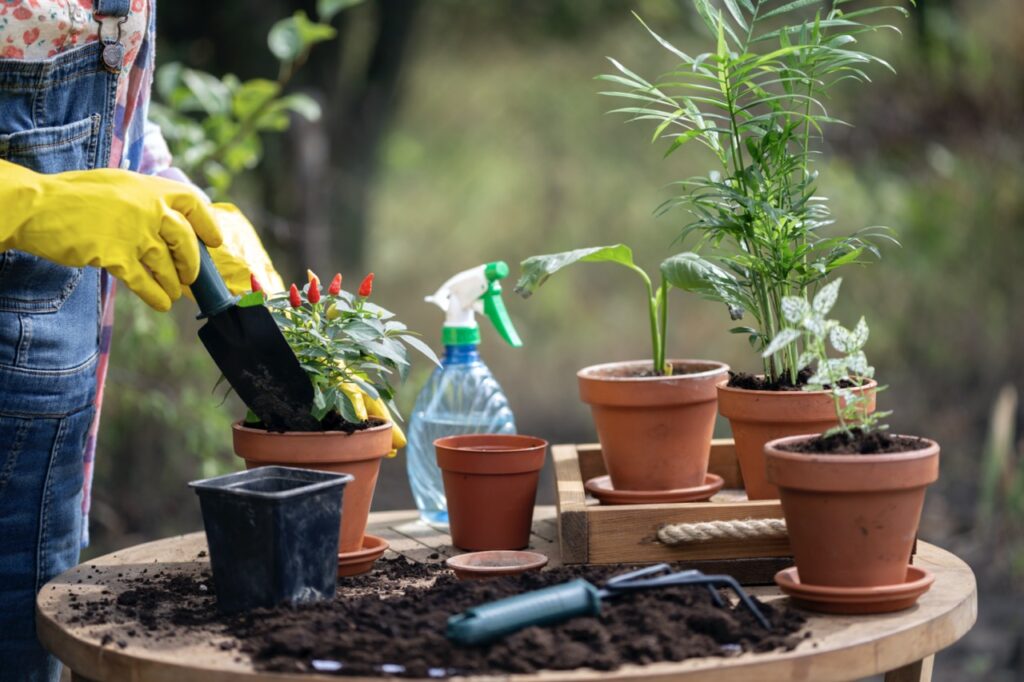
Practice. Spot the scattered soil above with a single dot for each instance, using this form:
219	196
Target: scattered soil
758	382
392	622
874	443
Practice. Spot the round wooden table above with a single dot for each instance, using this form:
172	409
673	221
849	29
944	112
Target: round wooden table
900	645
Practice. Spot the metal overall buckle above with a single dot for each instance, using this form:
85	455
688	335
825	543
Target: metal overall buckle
112	55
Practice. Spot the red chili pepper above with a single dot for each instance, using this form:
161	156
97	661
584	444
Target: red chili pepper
335	288
255	283
313	293
293	297
367	286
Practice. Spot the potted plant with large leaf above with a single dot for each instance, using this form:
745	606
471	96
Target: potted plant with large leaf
755	101
352	351
852	496
654	417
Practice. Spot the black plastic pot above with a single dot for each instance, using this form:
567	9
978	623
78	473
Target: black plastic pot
273	535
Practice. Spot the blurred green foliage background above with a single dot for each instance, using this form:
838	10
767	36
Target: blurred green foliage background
456	132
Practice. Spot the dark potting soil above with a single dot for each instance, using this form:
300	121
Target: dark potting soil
758	382
677	370
860	443
332	421
392	622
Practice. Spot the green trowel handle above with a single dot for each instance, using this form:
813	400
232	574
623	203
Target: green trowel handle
209	289
482	624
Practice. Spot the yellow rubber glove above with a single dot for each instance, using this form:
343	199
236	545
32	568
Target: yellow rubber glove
141	228
375	407
242	253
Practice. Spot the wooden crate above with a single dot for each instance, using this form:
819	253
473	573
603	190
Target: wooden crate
590	533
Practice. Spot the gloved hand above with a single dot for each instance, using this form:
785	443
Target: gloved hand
366	407
141	228
242	253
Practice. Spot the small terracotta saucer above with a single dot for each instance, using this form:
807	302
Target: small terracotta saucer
495	563
601	488
361	561
856	600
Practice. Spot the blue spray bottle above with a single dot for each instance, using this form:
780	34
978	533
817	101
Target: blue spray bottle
462	396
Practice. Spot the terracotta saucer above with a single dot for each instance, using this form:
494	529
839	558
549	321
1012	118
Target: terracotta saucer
495	563
856	600
361	561
601	488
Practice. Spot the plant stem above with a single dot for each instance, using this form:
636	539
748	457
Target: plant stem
663	302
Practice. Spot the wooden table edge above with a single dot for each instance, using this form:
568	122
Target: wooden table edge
898	650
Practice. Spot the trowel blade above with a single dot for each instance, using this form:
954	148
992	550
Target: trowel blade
259	364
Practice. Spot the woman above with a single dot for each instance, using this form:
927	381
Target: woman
85	184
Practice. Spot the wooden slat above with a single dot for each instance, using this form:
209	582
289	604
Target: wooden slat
573	534
594	533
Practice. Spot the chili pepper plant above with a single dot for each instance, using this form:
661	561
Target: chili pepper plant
347	345
755	100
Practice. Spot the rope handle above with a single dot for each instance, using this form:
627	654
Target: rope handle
707	531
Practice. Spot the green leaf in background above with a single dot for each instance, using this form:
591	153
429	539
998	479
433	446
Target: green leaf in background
303	105
252	95
210	92
290	37
537	269
326	9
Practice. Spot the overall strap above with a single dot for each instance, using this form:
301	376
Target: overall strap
113	8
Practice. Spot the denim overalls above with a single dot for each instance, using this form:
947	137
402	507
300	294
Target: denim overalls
55	115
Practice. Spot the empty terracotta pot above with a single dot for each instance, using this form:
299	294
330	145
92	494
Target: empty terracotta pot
655	431
757	417
490	481
358	453
852	519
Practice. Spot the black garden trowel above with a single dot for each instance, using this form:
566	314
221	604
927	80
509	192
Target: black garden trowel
250	351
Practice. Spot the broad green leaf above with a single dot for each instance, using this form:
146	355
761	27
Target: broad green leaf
326	9
783	339
345	408
537	269
366	386
825	299
167	78
213	96
690	272
301	104
252	95
292	36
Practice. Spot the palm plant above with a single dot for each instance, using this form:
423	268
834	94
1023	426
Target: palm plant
756	102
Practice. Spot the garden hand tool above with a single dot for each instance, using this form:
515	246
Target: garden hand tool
488	622
251	352
141	228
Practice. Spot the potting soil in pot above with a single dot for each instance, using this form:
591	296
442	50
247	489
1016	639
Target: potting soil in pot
391	623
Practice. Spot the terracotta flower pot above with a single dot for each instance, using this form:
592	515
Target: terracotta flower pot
757	417
655	431
490	481
357	453
852	519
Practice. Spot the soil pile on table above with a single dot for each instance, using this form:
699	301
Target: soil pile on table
392	623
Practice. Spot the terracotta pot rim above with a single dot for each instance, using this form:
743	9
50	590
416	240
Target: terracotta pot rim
240	426
771	449
783	395
526	444
590	372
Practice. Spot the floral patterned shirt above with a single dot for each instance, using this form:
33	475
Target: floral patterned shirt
37	30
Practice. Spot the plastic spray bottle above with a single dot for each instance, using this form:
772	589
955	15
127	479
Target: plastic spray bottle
462	396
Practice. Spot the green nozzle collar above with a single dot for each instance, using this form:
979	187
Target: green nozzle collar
460	336
496	270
